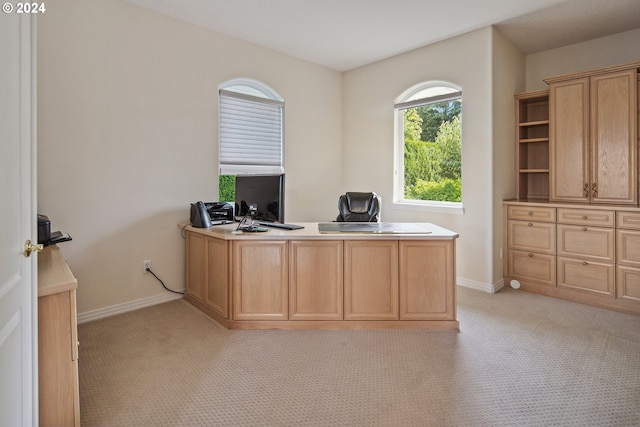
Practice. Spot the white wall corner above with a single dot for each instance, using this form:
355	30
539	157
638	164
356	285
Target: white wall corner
485	287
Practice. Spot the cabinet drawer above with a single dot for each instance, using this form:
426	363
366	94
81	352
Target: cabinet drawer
590	277
594	243
628	220
530	267
532	236
628	247
628	283
586	217
531	213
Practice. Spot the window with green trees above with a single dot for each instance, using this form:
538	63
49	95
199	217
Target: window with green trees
429	145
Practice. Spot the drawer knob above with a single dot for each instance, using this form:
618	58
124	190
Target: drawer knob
584	262
530	255
529	213
584	228
529	225
584	217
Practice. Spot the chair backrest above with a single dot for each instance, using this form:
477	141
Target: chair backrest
359	207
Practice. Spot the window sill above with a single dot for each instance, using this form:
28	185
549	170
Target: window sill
432	207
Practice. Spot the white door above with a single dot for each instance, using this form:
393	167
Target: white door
18	278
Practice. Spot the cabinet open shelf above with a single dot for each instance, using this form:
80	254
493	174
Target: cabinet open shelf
532	145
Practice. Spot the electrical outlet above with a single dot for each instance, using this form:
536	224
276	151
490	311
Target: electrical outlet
146	265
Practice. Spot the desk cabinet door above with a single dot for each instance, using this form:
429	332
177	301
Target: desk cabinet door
260	283
217	274
315	280
195	265
427	280
371	280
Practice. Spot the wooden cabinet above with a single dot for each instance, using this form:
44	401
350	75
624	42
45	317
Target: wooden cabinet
371	280
315	280
260	280
304	279
531	244
532	145
207	273
59	397
586	254
427	282
628	256
593	138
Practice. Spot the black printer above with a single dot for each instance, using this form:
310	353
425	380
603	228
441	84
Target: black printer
218	211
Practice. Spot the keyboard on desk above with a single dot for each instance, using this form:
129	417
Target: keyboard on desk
280	225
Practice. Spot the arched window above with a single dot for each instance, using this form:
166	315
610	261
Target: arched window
428	147
250	128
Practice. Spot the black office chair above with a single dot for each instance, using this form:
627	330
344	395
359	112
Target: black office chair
359	207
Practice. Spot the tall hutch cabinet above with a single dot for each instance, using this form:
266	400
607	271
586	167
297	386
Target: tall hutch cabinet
573	230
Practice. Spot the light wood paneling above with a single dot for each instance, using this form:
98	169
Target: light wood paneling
427	280
217	276
590	217
315	280
628	283
613	106
531	213
532	236
594	243
195	272
371	280
569	140
531	267
260	280
592	277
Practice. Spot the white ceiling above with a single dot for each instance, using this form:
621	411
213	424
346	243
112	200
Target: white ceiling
346	34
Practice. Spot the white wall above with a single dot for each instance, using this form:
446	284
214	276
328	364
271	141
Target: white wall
508	79
603	52
369	96
127	136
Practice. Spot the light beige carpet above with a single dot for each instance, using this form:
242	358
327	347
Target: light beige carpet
519	360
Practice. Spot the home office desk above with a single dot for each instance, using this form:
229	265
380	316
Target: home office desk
402	276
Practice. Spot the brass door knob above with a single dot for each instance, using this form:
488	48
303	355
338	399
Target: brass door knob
30	248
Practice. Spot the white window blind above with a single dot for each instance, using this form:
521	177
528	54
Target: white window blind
251	130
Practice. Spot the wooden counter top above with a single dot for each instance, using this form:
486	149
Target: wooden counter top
310	232
54	275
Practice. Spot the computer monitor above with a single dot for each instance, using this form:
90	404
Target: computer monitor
263	194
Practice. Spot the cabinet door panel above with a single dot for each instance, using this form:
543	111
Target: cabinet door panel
315	280
628	283
569	140
590	277
217	273
260	285
613	137
628	247
196	265
427	280
586	242
371	280
532	236
534	268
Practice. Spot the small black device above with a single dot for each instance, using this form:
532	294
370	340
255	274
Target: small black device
45	236
199	216
44	229
280	225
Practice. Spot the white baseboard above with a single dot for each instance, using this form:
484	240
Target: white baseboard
485	287
101	313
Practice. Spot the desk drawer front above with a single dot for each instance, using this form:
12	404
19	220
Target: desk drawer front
586	242
530	213
586	217
628	247
532	236
628	283
531	267
590	277
628	220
